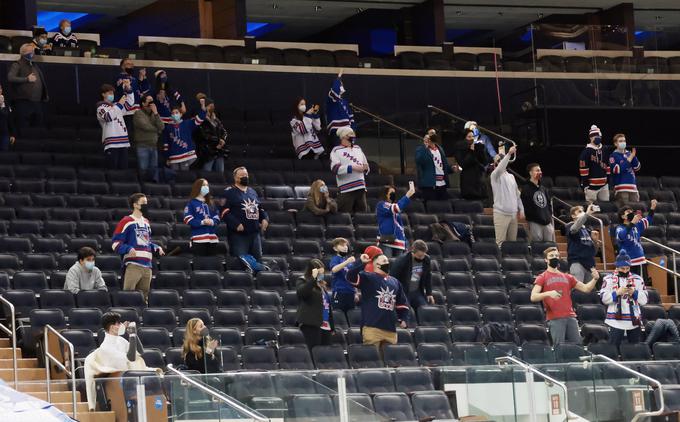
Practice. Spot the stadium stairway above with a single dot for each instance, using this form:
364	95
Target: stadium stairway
32	381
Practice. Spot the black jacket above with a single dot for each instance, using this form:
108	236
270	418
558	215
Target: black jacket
207	364
401	270
473	162
6	123
310	306
207	138
536	201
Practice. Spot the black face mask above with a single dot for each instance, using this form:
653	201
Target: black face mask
418	260
630	216
385	268
554	262
129	70
392	196
144	208
243	181
621	274
343	254
204	332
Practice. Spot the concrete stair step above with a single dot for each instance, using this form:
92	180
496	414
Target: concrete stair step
57	396
5	342
21	363
23	374
67	407
40	387
6	353
96	417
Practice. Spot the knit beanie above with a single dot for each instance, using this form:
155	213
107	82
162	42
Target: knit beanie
623	260
594	130
372	251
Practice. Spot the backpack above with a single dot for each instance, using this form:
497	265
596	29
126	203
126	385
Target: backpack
498	332
462	231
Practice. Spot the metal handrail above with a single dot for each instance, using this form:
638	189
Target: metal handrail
674	272
222	397
49	358
483	129
12	332
387	122
530	368
599	220
651	380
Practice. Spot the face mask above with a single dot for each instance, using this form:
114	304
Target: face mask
42	42
205	190
622	145
418	260
204	332
163	78
323	189
243	181
28	56
621	274
67	30
177	117
121	330
144	208
385	267
319	276
630	216
597	140
129	70
352	140
392	196
554	262
302	108
539	175
109	98
89	265
475	132
343	253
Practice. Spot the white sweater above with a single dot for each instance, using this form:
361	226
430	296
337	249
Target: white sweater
342	160
114	130
506	195
304	136
608	295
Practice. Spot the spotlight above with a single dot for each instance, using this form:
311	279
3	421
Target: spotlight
275	6
317	8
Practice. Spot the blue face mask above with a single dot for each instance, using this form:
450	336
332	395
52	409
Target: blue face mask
89	265
29	56
205	190
42	42
109	98
323	189
67	30
177	117
597	140
475	132
622	145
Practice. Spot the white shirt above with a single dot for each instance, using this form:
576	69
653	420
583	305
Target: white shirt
114	350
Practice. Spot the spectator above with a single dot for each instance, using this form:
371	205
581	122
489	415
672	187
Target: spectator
128	84
593	167
319	201
628	234
472	157
211	142
624	164
414	271
305	124
582	244
623	293
203	218
662	329
338	111
65	38
432	168
84	275
383	303
168	97
178	143
244	216
41	45
553	288
349	164
390	224
372	251
29	89
507	205
481	138
344	293
198	349
314	312
148	127
7	134
114	128
537	206
132	240
115	351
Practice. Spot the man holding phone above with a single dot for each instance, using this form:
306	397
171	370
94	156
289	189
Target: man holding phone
628	234
553	288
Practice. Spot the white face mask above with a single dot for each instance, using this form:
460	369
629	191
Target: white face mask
622	145
121	330
302	108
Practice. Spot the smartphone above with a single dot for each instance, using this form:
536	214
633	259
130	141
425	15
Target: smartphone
411	186
596	208
559	292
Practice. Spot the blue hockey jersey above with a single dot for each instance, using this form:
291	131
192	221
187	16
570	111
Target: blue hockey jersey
390	221
628	238
338	112
623	172
178	143
194	213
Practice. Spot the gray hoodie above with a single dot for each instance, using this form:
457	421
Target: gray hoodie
506	196
78	278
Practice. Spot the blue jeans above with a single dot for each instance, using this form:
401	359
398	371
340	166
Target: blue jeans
147	161
633	335
216	164
245	244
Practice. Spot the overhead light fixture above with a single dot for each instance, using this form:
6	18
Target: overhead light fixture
540	15
317	8
459	13
275	6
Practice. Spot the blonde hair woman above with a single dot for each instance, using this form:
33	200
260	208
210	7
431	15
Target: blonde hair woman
199	355
319	201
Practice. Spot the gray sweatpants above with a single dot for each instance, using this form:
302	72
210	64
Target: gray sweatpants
541	233
564	330
580	272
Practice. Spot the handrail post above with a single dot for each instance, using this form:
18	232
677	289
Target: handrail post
673	272
141	401
12	332
342	398
49	359
402	158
